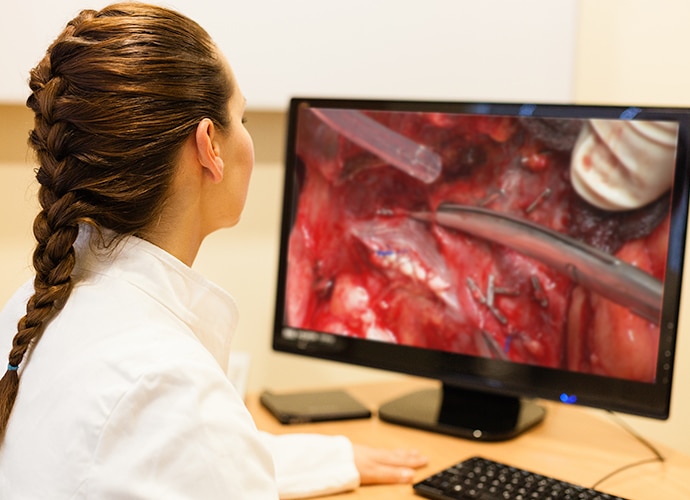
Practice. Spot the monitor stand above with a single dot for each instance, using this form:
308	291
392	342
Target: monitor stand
464	413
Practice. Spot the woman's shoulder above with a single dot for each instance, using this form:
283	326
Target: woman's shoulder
127	399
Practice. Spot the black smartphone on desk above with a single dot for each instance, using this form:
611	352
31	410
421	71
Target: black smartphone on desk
317	406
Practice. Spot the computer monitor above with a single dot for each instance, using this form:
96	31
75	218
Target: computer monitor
515	252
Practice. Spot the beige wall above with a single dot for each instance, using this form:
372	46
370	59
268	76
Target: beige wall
636	52
629	51
633	51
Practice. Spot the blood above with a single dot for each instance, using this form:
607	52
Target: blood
360	266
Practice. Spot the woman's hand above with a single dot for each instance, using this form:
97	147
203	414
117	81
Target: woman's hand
381	466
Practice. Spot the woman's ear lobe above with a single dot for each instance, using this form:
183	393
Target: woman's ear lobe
208	156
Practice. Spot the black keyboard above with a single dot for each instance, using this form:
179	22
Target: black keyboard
479	478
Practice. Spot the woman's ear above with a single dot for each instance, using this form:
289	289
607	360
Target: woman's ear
208	150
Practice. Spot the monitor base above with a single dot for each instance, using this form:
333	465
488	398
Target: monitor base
464	413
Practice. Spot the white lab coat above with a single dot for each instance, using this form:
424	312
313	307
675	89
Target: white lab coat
125	396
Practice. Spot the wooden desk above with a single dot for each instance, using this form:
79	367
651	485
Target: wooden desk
573	444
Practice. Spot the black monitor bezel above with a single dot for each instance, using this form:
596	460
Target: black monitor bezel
491	375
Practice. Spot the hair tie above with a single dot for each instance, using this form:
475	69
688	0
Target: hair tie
12	368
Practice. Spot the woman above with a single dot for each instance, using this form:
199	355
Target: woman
115	382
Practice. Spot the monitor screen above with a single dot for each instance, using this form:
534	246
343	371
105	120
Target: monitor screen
514	252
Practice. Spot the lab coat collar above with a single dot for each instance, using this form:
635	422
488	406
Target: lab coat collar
208	310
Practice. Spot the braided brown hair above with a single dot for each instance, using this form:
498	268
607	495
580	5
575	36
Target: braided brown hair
115	97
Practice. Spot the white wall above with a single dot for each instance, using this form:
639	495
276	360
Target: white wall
449	49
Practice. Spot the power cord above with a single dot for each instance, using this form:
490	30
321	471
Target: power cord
658	457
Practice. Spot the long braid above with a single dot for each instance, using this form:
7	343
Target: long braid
55	226
115	97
